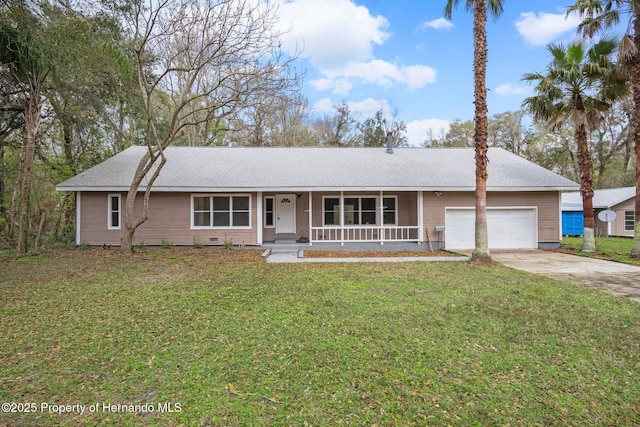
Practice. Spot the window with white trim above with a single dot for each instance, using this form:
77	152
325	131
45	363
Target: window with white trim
390	210
360	210
113	211
629	220
221	211
269	212
331	211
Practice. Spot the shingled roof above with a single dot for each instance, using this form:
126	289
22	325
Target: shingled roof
208	169
602	199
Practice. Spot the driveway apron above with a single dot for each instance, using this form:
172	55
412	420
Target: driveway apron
613	277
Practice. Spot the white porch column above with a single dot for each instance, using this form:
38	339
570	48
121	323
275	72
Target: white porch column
342	218
310	217
420	217
78	215
382	217
259	218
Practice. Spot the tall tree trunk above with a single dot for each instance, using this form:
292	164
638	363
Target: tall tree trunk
635	250
33	114
43	216
3	208
67	131
586	190
481	251
148	163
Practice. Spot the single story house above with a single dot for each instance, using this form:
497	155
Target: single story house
336	196
619	200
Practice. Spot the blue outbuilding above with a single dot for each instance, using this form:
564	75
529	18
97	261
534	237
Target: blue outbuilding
572	223
619	200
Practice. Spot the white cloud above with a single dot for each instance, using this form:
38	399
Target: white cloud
417	130
508	89
416	76
325	105
378	72
338	37
365	108
369	107
437	24
540	29
332	31
340	86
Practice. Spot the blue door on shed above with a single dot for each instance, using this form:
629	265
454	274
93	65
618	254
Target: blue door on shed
572	223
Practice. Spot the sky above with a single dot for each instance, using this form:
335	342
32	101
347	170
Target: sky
402	55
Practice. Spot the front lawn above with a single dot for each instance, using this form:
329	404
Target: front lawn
610	248
219	337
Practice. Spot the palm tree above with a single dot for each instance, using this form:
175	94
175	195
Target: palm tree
578	86
480	7
599	15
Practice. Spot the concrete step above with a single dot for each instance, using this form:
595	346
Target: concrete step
285	249
285	241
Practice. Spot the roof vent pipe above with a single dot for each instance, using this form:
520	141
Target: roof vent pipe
389	143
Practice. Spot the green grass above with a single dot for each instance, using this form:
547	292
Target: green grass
239	342
610	248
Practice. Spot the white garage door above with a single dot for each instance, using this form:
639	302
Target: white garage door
508	228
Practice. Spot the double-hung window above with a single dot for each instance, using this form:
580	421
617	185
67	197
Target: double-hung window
361	210
113	212
629	220
221	211
331	211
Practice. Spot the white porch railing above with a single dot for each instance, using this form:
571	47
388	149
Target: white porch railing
365	234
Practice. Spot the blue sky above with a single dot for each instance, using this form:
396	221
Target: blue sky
403	55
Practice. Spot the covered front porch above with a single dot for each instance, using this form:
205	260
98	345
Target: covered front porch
345	217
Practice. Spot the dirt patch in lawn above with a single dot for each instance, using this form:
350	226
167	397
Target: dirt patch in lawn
364	254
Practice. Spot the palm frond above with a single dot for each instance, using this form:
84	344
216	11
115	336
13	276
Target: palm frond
628	49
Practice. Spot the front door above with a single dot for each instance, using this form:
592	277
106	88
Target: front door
285	213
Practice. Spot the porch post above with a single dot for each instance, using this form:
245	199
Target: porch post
259	218
342	218
420	217
381	217
310	217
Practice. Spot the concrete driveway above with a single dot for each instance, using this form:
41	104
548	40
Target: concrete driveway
613	277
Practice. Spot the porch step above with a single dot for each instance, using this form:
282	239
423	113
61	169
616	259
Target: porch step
285	241
285	249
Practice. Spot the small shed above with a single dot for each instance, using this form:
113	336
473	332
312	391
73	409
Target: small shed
619	200
572	223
